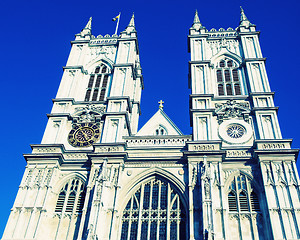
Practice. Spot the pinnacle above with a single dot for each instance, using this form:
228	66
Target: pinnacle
131	23
196	24
89	24
244	20
196	18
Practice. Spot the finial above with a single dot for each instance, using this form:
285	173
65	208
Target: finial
89	24
196	18
244	20
161	106
131	23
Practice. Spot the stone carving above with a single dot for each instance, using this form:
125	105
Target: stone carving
48	177
269	174
203	147
292	175
238	153
273	146
232	109
205	176
194	175
110	149
106	51
216	176
157	142
89	113
279	172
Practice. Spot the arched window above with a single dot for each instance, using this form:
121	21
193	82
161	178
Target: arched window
161	131
241	196
154	211
96	89
228	78
71	197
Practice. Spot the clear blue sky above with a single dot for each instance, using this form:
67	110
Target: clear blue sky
35	43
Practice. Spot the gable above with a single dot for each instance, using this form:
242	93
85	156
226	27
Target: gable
159	124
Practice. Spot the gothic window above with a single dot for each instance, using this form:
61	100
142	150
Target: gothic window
241	196
71	197
228	78
154	211
96	90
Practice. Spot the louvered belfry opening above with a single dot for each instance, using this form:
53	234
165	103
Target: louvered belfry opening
241	195
228	79
71	197
97	84
154	211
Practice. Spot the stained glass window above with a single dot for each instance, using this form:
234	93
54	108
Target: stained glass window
153	209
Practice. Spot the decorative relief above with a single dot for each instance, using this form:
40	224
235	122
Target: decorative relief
47	150
203	147
109	149
279	171
106	51
72	73
292	175
206	178
115	122
216	176
89	113
232	109
75	156
238	153
216	45
194	175
273	146
157	142
270	179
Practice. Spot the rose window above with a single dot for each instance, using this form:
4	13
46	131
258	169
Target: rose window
235	131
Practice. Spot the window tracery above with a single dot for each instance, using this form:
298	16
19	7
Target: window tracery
154	211
71	197
241	196
97	84
228	80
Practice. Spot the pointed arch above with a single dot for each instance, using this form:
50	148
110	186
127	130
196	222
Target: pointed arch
62	182
134	183
242	192
226	53
99	80
154	207
228	73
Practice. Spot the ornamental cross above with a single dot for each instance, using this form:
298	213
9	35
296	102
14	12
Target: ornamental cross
161	106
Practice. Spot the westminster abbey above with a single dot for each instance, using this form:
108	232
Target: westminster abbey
96	176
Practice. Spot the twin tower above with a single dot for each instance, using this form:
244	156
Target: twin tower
95	176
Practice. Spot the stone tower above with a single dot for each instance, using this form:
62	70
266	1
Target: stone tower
248	181
95	176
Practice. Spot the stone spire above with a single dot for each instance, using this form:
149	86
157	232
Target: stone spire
244	20
131	26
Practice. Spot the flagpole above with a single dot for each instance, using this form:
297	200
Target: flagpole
118	23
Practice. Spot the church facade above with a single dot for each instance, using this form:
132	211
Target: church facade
95	176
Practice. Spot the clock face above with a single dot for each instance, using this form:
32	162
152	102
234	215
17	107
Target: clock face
84	134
